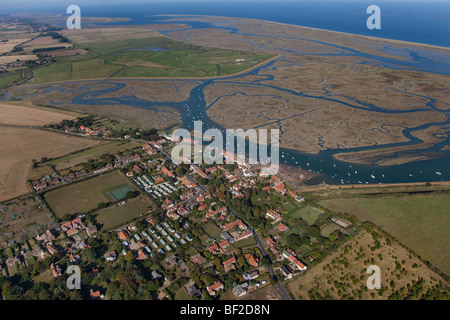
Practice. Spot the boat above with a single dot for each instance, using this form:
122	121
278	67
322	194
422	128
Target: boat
439	173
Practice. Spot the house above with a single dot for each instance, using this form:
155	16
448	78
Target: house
214	249
55	270
282	227
251	260
296	197
296	262
95	295
72	232
214	288
237	222
286	272
187	195
123	235
111	256
51	249
224	244
229	264
91	230
240	290
251	275
272	214
197	259
243	235
193	290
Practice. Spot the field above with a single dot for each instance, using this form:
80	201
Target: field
110	218
142	53
74	159
86	195
18	146
342	275
28	115
307	213
9	79
421	222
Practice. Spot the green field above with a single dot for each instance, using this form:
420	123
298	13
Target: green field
307	213
110	218
421	222
74	159
86	195
120	193
329	229
9	79
147	57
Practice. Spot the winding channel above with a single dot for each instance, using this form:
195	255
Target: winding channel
333	171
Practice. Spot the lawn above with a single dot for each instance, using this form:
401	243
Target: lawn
307	213
421	222
86	195
110	218
329	229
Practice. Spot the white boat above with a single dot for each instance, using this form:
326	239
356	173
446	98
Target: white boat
439	173
373	177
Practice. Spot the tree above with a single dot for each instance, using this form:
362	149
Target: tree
294	240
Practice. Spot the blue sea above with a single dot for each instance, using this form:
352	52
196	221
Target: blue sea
421	21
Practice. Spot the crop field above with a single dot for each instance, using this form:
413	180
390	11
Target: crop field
110	218
18	146
143	54
76	158
28	115
421	221
86	195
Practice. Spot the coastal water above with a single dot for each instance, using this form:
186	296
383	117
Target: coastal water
422	21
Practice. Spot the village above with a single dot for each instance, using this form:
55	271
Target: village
199	239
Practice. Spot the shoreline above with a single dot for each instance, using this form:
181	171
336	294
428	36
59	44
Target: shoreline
312	28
